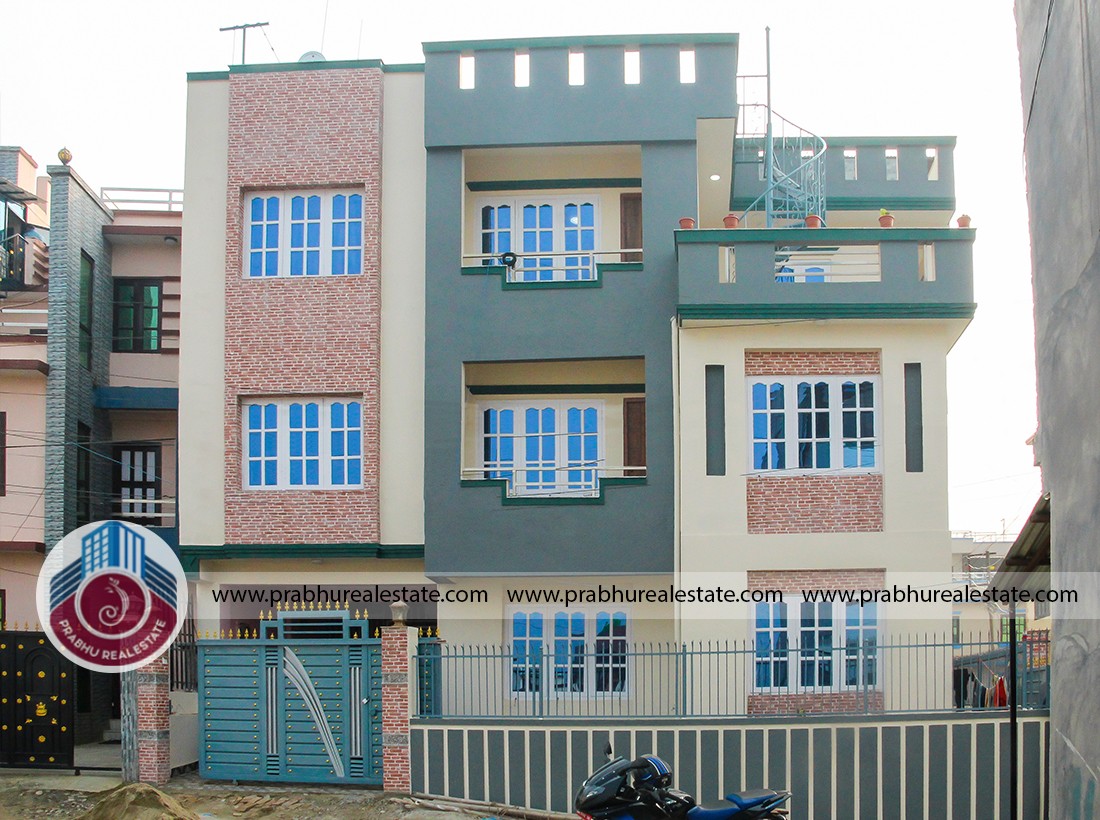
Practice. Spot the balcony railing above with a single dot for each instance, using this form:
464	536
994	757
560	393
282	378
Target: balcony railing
150	512
580	480
564	266
826	272
142	199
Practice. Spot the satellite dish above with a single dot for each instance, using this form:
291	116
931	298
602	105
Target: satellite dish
312	57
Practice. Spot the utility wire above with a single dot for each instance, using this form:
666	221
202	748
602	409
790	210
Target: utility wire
1038	68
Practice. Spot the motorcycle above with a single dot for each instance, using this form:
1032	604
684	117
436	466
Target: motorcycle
641	789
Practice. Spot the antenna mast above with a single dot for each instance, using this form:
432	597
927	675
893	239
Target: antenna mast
243	28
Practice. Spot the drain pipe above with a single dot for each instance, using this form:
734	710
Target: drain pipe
1013	722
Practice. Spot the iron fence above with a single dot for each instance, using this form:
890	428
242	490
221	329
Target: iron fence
573	679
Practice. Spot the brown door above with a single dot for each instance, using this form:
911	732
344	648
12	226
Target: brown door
630	225
634	435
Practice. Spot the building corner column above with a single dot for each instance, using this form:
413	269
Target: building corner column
146	750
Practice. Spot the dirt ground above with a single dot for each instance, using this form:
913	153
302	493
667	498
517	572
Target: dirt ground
220	801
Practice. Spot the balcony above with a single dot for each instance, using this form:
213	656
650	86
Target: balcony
844	273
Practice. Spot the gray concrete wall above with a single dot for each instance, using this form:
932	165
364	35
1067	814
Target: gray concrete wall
1063	178
77	219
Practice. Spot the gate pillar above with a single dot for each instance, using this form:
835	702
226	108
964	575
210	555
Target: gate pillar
396	772
149	745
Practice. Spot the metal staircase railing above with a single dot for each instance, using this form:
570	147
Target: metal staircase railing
793	166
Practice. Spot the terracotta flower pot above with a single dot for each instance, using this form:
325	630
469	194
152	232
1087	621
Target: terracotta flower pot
886	221
731	220
963	221
687	223
813	221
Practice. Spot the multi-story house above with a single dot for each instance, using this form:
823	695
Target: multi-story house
441	325
88	362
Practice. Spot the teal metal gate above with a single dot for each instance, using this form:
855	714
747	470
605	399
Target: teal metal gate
299	699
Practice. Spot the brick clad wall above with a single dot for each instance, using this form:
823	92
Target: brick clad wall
796	580
396	764
815	703
814	503
153	746
811	363
320	336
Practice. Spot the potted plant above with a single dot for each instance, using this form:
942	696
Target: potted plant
964	221
885	219
813	221
731	220
687	223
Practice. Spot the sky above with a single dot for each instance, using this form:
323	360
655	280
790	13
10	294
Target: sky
107	79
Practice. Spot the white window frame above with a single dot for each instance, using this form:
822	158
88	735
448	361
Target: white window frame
838	654
558	203
517	486
547	688
284	224
836	424
282	432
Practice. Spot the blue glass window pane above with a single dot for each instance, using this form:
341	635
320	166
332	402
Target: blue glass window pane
255	264
507	452
296	444
355	233
336	414
271	413
546	216
866	394
777	396
779	457
519	625
546	241
823	454
338	234
296	472
296	267
487	218
298	207
355	206
337	444
571	243
867	454
297	235
257	209
866	423
353	443
848	394
313	443
354	471
778	425
314	207
313	263
535	625
821	394
850	454
313	234
272	236
355	263
588	214
313	471
760	456
803	395
272	208
504	216
588	240
337	472
271	263
507	421
339	206
337	263
269	472
759	396
529	216
254	416
254	473
257	233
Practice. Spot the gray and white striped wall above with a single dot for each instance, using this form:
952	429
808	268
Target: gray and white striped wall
927	765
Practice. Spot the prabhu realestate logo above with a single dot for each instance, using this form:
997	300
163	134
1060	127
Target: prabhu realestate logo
112	596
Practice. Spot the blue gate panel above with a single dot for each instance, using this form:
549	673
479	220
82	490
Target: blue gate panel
305	709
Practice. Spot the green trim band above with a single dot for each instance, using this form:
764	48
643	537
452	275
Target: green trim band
601	269
813	310
342	550
531	501
888	142
896	204
734	236
201	76
551	389
320	65
569	42
554	184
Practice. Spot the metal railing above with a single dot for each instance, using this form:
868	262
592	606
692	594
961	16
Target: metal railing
568	679
183	660
821	262
554	266
142	199
151	512
568	480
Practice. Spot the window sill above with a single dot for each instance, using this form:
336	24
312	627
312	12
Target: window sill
552	501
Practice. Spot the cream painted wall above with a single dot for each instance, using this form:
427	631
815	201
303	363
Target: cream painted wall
19	580
915	539
202	358
293	573
23	399
401	484
465	624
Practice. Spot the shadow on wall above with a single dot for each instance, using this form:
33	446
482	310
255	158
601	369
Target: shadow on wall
1081	663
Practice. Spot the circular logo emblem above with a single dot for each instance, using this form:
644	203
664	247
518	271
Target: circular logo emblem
112	596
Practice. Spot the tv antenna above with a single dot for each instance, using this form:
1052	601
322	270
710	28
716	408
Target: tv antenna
243	28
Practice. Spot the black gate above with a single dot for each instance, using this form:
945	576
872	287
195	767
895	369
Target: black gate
36	703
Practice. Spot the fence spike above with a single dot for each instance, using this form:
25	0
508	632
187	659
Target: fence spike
377	632
254	634
357	615
222	635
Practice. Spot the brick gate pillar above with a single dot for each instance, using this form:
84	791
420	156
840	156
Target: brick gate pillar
145	722
396	772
